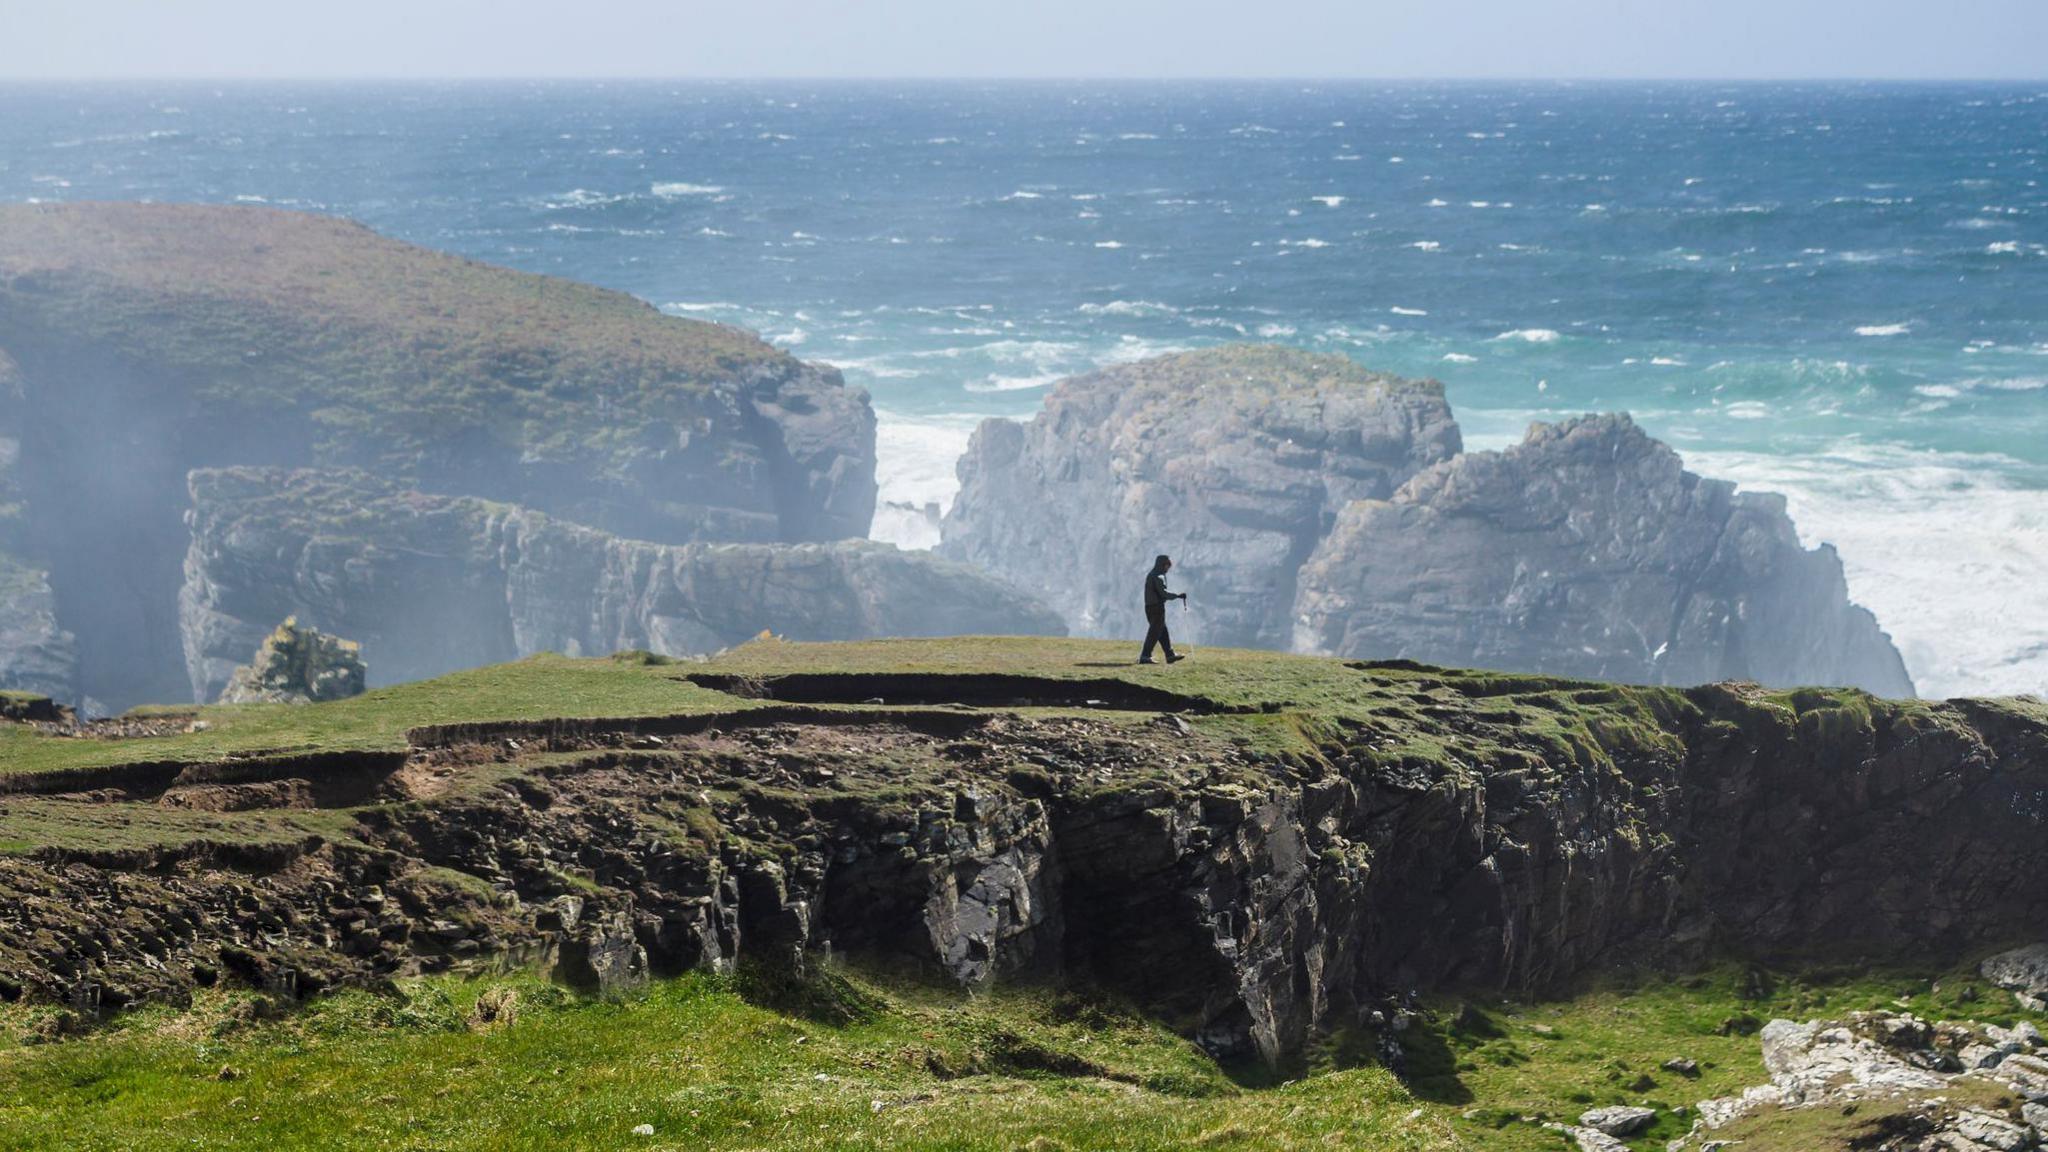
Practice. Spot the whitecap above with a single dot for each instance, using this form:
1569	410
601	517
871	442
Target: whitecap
671	190
1400	311
2003	248
915	461
1747	410
1328	201
1667	361
1438	204
1109	243
1938	391
1426	246
1012	383
1128	308
1021	194
1311	242
1530	335
1276	331
1884	329
1460	358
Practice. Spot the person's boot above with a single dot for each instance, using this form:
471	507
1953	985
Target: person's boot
1174	657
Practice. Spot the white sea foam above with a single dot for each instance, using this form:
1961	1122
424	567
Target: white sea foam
1109	243
1012	383
1531	335
914	467
1667	361
1747	410
2003	248
675	190
1427	246
1276	331
1329	201
1311	242
1460	358
1128	308
1946	548
1400	311
1884	329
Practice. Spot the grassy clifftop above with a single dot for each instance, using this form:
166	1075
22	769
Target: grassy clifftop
1252	900
395	353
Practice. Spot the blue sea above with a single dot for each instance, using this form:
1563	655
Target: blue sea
1836	291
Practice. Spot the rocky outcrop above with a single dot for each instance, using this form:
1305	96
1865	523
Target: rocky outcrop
1311	505
429	584
297	665
1235	460
1948	1086
155	338
1588	550
1466	831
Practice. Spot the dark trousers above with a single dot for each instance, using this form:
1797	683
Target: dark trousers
1156	635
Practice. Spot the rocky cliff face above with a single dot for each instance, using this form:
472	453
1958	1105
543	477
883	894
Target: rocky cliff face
1423	830
1588	550
154	339
36	653
1311	505
1235	460
429	584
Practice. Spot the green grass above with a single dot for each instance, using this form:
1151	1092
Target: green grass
713	1061
697	1060
538	687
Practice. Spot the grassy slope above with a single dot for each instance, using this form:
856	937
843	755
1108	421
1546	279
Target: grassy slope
259	306
711	1062
705	1064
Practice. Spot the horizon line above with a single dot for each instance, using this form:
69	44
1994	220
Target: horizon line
398	78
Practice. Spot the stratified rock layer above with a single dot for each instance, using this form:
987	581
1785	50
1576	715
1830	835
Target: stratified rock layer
155	338
1234	460
429	584
1588	550
1423	829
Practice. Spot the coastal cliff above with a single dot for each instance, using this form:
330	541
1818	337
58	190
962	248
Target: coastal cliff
1314	506
1256	850
147	340
430	584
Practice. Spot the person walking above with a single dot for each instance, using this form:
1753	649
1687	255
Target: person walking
1156	597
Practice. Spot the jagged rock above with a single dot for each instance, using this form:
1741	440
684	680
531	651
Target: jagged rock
155	338
1232	459
2022	971
297	665
1618	1119
1589	551
430	584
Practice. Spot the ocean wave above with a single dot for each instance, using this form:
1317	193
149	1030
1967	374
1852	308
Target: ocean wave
676	190
1460	358
1311	242
1426	246
1531	335
1400	311
1109	243
1329	201
1934	543
1884	329
915	458
1128	308
1013	383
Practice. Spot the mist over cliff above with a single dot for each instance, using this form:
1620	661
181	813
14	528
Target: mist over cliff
221	417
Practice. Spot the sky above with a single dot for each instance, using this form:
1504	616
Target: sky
1589	39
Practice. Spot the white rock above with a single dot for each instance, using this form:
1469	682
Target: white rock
1619	1119
1980	1056
1990	1131
643	1130
2025	1074
2022	969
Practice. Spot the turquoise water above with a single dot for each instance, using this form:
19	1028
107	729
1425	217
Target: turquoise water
1836	291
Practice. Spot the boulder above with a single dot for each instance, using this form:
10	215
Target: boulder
430	584
1233	460
297	665
1618	1119
1589	551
